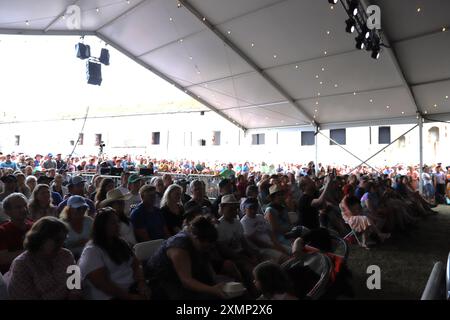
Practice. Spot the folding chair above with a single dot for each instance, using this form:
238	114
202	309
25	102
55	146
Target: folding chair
3	288
354	234
145	250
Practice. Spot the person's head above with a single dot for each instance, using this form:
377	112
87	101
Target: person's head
58	179
270	279
106	185
124	176
28	171
203	233
75	209
51	173
276	195
15	206
307	185
148	195
8	157
20	179
225	186
172	195
167	180
354	205
363	183
76	186
229	207
46	237
182	183
41	196
106	225
134	183
197	190
158	183
10	183
251	192
250	207
31	182
230	166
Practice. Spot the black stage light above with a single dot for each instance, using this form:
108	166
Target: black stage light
376	54
366	32
332	1
360	42
104	56
94	73
353	7
83	51
350	25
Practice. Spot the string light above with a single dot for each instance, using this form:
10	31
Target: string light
27	23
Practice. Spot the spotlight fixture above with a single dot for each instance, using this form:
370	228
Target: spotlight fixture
360	42
332	1
376	54
366	32
350	25
353	7
94	73
104	56
83	51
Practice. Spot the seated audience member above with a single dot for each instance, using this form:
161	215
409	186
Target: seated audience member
181	267
124	182
361	189
80	225
158	183
198	197
58	187
40	203
273	282
21	186
12	233
9	186
353	215
232	243
56	197
250	193
277	216
134	185
147	220
167	180
94	187
172	209
184	196
31	183
225	187
40	273
76	188
116	200
106	185
109	268
259	233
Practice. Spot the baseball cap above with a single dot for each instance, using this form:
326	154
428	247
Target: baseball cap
50	155
76	180
134	178
250	203
77	202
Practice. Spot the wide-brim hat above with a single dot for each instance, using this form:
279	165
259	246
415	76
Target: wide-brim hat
113	196
274	189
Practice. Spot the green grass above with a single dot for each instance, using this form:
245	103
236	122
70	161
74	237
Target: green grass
405	260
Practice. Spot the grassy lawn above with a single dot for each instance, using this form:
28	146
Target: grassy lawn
405	260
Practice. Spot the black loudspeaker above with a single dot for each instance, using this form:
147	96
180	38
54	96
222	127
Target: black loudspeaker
83	51
104	57
105	171
117	172
146	172
94	73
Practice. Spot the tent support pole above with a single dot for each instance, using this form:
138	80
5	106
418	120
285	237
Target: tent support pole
420	153
316	147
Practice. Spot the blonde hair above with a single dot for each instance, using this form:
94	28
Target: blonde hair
166	197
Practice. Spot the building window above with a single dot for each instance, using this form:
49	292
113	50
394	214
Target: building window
384	135
202	142
98	139
308	138
81	139
258	139
216	138
156	137
72	142
338	135
17	140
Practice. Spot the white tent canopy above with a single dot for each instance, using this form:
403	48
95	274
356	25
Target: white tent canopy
271	63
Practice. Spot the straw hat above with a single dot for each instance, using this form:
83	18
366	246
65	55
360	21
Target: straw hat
113	196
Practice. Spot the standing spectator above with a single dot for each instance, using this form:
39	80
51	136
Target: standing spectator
61	165
440	185
109	269
427	182
40	203
147	220
49	163
41	271
12	233
91	166
8	163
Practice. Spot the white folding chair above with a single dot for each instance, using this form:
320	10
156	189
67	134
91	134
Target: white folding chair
145	250
3	288
354	234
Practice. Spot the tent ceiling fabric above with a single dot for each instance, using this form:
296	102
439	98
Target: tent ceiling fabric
315	72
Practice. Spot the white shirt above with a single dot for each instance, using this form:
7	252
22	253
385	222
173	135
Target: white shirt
231	234
259	227
94	258
131	203
74	237
127	233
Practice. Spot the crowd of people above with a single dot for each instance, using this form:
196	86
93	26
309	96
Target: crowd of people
251	233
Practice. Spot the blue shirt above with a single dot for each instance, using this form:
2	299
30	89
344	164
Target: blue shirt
152	221
9	164
56	198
